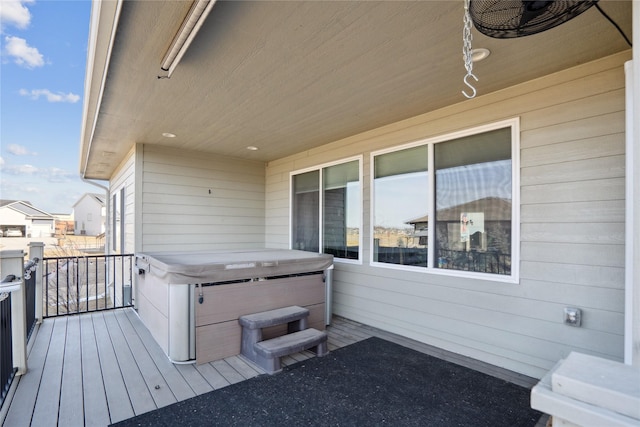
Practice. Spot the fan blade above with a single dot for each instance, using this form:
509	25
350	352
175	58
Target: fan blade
531	10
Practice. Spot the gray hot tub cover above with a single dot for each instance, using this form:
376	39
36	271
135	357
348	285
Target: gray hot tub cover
220	266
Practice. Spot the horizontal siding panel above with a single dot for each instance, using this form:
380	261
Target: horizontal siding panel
485	343
508	359
445	316
190	190
587	148
573	232
520	302
573	274
210	201
150	208
200	238
167	246
581	191
607	104
583	170
581	212
201	201
569	253
164	219
205	229
166	172
204	182
608	124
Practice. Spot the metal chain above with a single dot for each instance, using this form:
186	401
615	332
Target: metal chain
467	37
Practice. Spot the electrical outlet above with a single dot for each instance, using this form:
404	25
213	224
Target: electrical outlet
572	316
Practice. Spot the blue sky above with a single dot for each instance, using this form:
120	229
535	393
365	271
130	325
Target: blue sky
43	57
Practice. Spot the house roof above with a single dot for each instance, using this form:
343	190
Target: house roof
25	208
494	209
93	196
290	76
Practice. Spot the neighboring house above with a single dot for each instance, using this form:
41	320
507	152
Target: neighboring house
308	125
29	220
90	215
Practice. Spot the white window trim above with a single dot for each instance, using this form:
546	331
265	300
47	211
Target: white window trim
319	168
514	124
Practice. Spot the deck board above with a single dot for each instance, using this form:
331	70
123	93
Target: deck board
178	385
71	395
45	412
139	394
152	377
116	394
96	411
106	365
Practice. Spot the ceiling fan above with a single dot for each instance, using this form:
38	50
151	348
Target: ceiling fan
509	19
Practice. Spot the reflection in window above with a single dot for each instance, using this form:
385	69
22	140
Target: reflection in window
340	205
306	208
400	192
341	210
473	203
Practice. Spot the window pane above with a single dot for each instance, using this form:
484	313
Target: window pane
306	207
473	203
341	208
401	186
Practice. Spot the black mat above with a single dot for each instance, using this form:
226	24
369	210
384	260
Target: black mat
370	383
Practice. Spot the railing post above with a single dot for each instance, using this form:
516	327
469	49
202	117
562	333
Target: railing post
36	250
12	263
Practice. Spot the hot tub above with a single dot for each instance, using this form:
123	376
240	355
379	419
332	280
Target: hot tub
191	301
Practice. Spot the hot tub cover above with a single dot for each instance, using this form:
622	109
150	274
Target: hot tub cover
219	266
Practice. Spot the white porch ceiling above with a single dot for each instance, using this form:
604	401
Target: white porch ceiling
287	76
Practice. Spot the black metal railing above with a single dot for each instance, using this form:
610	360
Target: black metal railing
7	371
478	261
81	284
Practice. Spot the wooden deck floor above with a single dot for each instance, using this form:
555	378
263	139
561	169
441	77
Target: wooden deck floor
101	368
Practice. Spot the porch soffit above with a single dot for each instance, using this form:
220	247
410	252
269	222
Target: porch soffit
290	76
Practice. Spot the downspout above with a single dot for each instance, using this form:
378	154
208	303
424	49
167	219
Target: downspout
107	229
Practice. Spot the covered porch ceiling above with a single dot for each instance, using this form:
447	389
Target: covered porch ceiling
288	76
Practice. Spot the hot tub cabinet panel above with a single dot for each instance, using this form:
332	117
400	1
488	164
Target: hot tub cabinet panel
217	317
235	283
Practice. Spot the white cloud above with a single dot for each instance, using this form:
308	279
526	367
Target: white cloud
50	174
58	175
51	97
23	54
19	150
15	13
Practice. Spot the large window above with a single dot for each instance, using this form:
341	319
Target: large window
326	210
401	206
447	204
473	203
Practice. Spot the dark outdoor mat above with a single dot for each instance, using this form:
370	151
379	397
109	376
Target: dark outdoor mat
370	383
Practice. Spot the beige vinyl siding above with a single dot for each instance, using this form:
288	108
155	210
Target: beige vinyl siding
571	220
124	176
197	201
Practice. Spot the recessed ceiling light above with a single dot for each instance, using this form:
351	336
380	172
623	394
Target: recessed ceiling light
479	54
252	148
168	135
